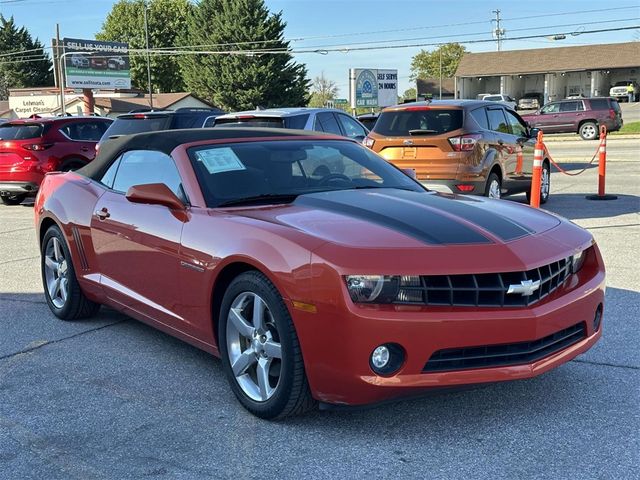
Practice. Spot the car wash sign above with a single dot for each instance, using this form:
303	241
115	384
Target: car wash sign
372	88
96	65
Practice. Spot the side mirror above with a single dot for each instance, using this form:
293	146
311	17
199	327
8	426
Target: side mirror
359	138
154	194
533	132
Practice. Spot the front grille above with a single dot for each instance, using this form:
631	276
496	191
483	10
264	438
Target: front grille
506	354
483	289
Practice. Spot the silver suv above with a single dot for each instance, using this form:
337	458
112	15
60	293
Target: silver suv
328	120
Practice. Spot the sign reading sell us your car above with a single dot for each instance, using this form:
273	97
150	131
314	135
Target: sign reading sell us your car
95	64
373	88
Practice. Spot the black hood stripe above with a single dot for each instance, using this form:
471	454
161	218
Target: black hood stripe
463	207
381	209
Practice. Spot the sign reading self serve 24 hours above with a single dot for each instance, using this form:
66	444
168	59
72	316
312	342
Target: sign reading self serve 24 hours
373	88
95	64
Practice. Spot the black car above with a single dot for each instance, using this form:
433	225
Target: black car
153	120
368	119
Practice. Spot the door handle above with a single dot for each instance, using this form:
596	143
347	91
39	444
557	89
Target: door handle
84	149
102	214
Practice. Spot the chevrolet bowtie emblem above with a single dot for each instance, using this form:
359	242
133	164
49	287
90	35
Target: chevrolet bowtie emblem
525	287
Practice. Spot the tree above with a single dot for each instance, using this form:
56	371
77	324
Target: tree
167	24
322	90
236	80
31	68
409	94
427	64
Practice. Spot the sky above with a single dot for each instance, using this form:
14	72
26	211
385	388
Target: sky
326	24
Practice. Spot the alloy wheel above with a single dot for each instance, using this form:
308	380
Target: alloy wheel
494	189
56	271
545	183
253	345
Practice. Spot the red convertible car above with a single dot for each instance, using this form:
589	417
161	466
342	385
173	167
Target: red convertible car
318	272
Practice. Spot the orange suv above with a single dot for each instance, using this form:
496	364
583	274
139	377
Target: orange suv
460	146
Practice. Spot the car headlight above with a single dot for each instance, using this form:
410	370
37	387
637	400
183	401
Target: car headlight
577	261
384	288
372	288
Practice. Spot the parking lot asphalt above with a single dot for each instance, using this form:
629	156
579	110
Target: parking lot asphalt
113	398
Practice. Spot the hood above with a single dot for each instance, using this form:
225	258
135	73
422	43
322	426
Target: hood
392	218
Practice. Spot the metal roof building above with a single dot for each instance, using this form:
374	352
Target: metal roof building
557	72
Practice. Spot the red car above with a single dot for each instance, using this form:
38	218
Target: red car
30	148
317	271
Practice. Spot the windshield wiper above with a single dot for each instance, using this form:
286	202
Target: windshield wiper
422	131
267	197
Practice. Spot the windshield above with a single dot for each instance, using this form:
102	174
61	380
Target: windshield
20	132
401	123
281	170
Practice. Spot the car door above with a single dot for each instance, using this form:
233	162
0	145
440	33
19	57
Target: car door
137	245
326	122
548	119
351	127
83	137
521	177
506	144
571	112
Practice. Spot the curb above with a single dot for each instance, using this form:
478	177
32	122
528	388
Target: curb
576	138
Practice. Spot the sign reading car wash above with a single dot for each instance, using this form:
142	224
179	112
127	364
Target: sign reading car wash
371	88
97	65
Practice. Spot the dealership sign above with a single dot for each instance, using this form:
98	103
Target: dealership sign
371	88
96	65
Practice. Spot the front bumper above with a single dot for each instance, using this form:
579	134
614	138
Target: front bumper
338	340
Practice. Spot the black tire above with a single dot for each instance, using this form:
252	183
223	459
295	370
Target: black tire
292	395
76	306
71	164
544	196
588	131
493	179
13	199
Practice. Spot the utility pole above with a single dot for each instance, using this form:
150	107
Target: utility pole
440	49
146	34
498	32
59	69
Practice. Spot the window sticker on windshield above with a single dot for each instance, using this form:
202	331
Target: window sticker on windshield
218	160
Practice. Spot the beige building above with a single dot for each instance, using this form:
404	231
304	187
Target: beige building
25	102
556	73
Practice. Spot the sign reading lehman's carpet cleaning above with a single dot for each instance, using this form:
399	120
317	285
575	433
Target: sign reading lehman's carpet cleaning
95	64
373	88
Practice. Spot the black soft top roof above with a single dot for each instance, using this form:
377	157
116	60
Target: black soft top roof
167	140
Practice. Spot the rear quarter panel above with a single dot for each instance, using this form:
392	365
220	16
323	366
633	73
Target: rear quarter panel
67	200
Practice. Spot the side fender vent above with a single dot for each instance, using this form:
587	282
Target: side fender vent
77	238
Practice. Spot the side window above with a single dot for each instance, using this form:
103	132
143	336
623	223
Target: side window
517	126
84	131
580	106
497	122
140	167
209	122
296	121
480	116
110	175
351	127
493	98
551	108
569	106
326	122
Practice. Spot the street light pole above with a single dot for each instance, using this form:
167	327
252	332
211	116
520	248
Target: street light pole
63	70
146	34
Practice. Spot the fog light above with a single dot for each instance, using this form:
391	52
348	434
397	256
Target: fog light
380	357
598	318
387	359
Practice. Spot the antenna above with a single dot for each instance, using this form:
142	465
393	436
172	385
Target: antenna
498	32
